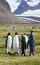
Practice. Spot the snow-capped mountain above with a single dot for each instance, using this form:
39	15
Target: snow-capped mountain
21	6
6	16
25	7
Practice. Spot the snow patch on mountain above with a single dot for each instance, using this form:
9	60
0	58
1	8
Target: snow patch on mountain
13	4
31	13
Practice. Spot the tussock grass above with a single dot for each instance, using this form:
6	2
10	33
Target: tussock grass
6	59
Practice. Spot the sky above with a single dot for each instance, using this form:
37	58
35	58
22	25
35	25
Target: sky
14	4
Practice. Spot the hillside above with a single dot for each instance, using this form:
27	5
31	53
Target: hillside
6	17
3	3
35	18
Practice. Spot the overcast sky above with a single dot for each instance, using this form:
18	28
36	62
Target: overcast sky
14	5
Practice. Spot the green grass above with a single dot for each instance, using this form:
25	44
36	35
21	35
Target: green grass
6	59
19	60
20	30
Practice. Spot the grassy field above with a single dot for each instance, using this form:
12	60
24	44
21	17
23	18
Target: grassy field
6	59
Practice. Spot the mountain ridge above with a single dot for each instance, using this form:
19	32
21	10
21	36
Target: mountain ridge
5	4
7	17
